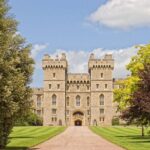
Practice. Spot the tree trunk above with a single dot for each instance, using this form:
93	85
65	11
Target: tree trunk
142	130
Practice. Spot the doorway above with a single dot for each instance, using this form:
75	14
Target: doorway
78	123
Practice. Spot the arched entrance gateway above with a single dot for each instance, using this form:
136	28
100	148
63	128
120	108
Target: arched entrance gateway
78	118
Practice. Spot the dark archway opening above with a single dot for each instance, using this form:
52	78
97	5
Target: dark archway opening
78	123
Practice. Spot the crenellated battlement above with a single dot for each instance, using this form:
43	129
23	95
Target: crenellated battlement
64	94
106	63
59	62
78	78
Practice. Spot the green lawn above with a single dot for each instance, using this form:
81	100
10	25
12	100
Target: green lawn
127	137
24	137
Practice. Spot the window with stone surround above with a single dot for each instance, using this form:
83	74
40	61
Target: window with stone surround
101	99
54	75
88	87
97	86
102	75
67	112
54	99
77	100
54	111
67	101
88	112
101	111
38	112
88	101
38	101
50	86
101	119
58	86
106	86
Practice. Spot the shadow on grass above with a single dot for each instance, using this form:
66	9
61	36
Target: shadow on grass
16	148
18	137
20	148
136	138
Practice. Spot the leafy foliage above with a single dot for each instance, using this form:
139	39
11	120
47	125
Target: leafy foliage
128	86
16	68
31	119
115	121
133	96
139	109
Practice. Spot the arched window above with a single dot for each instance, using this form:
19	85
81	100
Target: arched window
54	99
101	99
78	100
102	75
88	101
38	101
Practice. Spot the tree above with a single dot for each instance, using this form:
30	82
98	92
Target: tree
16	68
139	110
123	95
131	94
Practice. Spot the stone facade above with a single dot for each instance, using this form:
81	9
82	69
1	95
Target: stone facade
76	99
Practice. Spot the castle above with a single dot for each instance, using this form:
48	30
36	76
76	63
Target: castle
76	99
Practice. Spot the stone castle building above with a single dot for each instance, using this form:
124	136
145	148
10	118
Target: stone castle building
76	99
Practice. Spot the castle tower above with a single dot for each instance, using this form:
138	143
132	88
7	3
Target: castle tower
55	71
101	89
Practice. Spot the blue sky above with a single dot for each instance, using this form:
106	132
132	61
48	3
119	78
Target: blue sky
82	26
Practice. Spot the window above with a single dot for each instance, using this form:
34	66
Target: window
54	119
67	87
88	87
88	112
88	101
38	101
67	112
38	112
54	75
106	86
101	119
78	100
54	99
77	87
50	86
102	111
58	86
97	86
101	99
54	111
102	75
67	101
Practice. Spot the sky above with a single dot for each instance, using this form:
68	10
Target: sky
81	27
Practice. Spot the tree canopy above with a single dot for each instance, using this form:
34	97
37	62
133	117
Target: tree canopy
16	68
133	94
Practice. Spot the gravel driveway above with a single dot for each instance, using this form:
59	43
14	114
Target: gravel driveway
77	138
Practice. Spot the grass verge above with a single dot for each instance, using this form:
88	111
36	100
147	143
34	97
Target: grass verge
24	137
127	137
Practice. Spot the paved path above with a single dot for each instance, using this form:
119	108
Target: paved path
77	138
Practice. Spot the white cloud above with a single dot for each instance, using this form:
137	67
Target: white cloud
123	13
37	48
78	60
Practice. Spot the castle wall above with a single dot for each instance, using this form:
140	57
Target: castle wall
54	88
77	96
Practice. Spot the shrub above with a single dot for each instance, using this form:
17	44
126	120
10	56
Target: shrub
115	121
31	119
